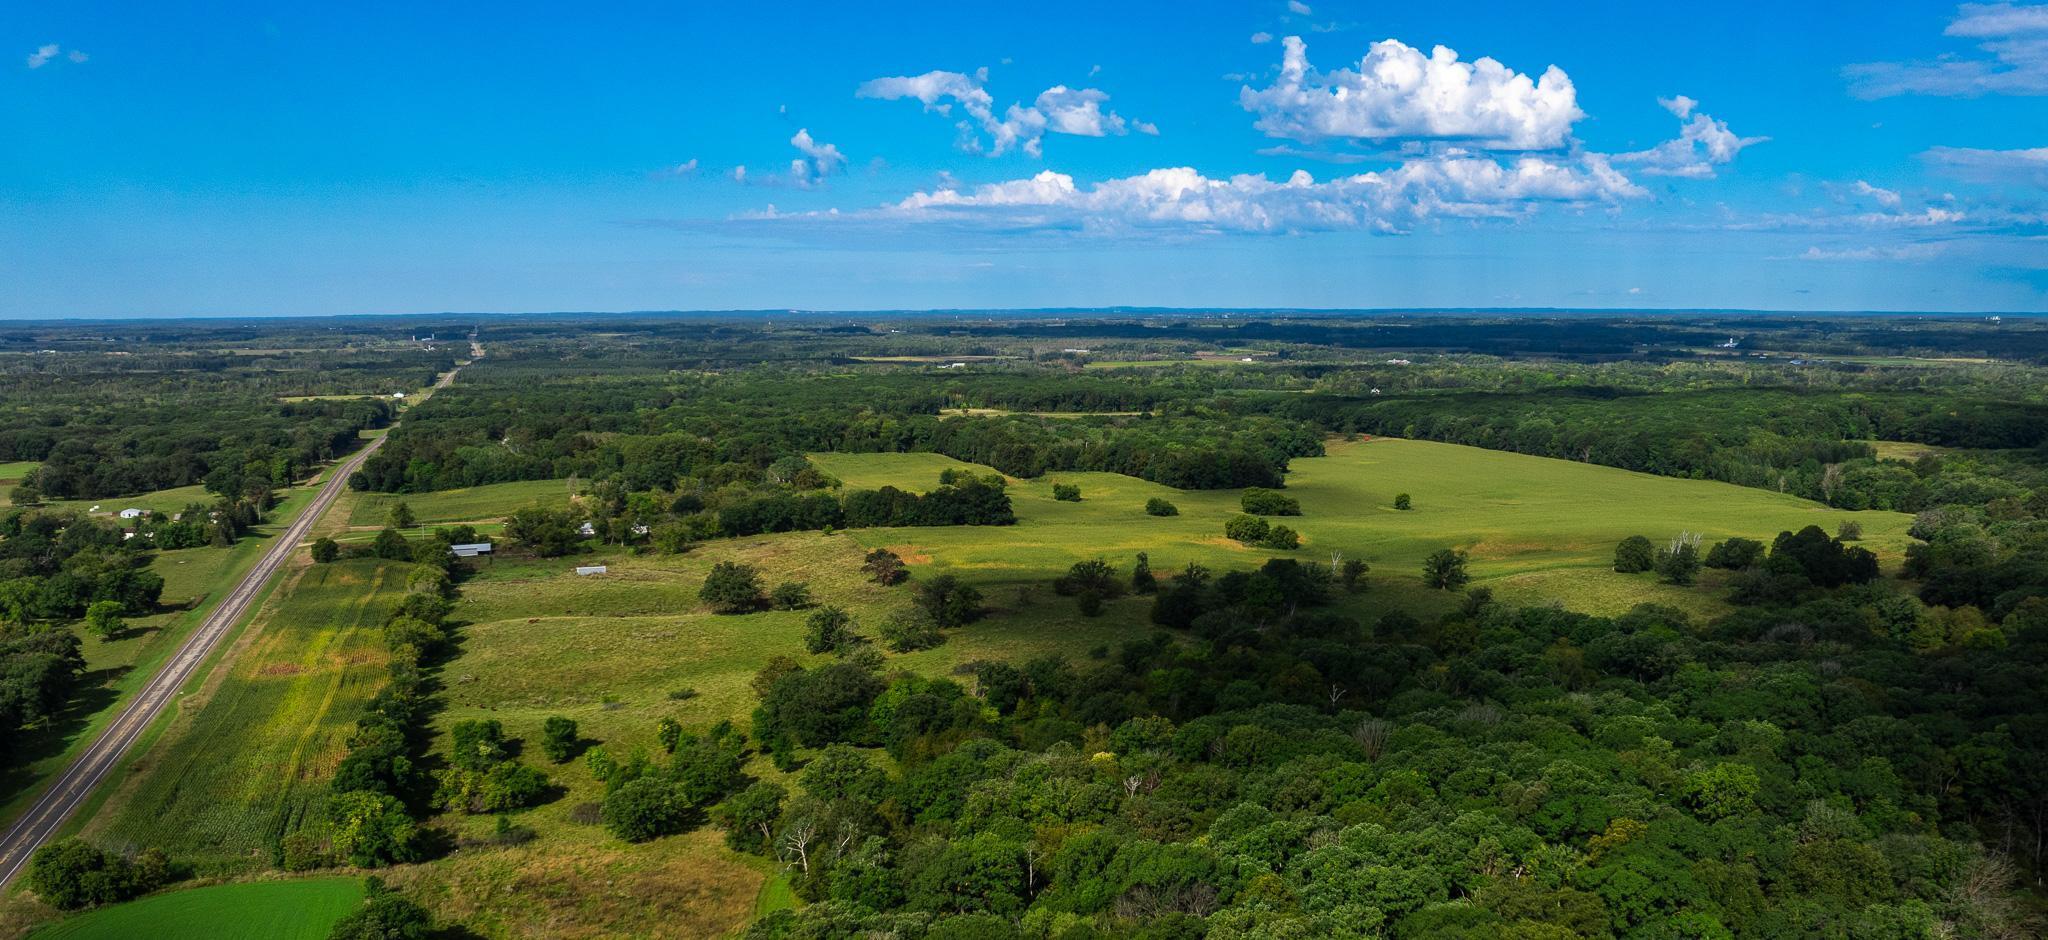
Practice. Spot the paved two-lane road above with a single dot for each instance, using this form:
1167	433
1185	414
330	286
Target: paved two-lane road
73	788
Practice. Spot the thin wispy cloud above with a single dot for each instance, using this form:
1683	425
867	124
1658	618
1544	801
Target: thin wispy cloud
2012	59
52	52
1920	251
1884	197
2021	167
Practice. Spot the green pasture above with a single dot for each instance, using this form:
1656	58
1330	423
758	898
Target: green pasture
245	763
447	507
303	909
11	472
1537	529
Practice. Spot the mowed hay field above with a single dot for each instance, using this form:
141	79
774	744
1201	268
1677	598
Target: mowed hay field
449	507
1537	529
245	761
304	909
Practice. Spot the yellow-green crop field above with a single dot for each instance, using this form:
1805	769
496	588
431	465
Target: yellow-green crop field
244	762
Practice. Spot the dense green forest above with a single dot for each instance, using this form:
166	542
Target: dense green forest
1816	768
122	410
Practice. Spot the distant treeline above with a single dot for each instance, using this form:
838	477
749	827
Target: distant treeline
228	444
652	431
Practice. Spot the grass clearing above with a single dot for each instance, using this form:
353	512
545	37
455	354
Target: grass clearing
446	507
11	472
302	909
1524	520
1906	450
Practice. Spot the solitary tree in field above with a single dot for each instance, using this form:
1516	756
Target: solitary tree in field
1634	555
103	618
401	516
731	588
1444	570
1679	562
325	550
391	545
790	595
829	630
949	602
1352	574
1066	492
1159	507
884	567
558	738
1402	502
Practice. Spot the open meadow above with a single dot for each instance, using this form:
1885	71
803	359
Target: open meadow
1536	528
450	507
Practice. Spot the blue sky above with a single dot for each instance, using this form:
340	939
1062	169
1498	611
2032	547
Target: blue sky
235	159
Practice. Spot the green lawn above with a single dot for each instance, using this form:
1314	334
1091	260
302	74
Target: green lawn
246	763
476	504
12	472
303	909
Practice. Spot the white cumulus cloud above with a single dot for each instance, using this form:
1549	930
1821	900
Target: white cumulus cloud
1397	93
42	55
1299	8
1702	144
818	160
1058	110
1388	201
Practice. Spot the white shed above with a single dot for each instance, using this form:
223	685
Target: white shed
588	570
132	513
